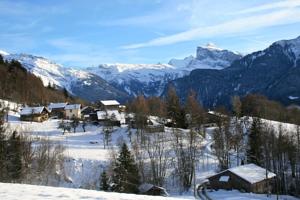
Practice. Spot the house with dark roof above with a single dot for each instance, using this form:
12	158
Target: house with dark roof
57	109
248	178
34	114
150	189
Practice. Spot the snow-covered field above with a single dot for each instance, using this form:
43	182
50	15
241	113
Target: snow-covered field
34	192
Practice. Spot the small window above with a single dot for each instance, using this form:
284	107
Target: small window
224	179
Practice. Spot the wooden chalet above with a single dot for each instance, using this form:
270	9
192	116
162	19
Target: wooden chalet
248	178
149	189
34	114
57	109
109	105
73	111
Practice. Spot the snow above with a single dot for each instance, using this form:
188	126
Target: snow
293	97
9	191
110	102
32	110
236	195
251	173
111	113
72	106
4	53
57	105
49	71
212	46
34	192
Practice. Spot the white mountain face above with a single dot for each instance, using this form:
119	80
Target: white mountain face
78	82
150	79
49	72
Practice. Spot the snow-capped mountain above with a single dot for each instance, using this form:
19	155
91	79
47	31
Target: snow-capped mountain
77	82
150	79
274	72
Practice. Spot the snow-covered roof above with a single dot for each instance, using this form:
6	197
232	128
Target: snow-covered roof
73	106
145	187
110	103
251	173
57	105
32	110
101	115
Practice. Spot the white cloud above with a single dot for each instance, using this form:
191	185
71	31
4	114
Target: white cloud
231	27
270	6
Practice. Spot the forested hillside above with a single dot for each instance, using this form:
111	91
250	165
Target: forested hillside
21	86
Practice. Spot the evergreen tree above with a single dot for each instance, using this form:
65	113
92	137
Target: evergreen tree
174	110
104	182
14	157
74	123
126	175
3	146
1	59
254	151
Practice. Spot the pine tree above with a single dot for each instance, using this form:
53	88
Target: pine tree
126	175
104	182
3	146
254	152
174	110
14	157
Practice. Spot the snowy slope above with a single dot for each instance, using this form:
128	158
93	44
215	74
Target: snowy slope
9	191
49	72
34	192
78	82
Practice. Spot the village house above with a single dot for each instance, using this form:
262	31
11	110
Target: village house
73	111
57	109
248	178
88	112
111	117
150	189
109	105
34	114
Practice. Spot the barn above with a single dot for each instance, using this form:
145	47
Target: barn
150	189
248	178
35	114
57	109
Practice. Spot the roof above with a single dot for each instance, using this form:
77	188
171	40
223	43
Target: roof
109	113
250	172
145	187
32	110
110	103
57	105
73	106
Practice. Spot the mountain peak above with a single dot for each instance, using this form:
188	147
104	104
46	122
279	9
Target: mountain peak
212	46
4	53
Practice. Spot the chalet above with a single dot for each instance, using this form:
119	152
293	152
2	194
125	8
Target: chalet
88	112
149	189
109	105
248	178
73	111
35	114
57	109
112	117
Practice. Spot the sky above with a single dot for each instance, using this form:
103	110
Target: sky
87	33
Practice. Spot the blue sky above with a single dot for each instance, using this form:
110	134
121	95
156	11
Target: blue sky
87	33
